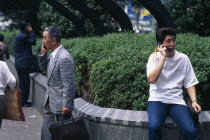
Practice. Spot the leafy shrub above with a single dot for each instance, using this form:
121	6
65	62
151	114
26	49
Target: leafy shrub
111	70
9	40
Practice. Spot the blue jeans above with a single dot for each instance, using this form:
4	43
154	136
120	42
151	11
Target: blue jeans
157	113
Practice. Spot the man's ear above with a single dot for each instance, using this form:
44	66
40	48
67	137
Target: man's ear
54	40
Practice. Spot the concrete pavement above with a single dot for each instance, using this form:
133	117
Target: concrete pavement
27	130
18	130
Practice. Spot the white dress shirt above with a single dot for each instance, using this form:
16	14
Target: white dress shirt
54	52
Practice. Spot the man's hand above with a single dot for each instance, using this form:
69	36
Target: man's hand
196	107
29	29
162	51
44	50
65	110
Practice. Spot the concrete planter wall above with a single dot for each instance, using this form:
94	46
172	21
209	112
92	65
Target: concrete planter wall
110	123
117	124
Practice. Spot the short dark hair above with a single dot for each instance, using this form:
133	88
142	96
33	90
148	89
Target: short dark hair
1	37
163	32
23	25
54	32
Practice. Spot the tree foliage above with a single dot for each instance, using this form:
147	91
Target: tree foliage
76	18
49	16
190	15
83	17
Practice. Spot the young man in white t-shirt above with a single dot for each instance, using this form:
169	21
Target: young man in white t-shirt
168	71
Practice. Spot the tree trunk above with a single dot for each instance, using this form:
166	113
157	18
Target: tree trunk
90	14
118	14
159	11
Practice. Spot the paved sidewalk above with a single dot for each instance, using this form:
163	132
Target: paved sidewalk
27	130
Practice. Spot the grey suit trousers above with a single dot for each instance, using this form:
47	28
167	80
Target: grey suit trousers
50	118
2	107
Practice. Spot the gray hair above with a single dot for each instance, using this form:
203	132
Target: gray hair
54	32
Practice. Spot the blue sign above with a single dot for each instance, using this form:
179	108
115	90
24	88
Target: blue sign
140	17
134	12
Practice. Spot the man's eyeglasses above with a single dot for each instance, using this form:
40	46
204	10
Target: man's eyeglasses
170	40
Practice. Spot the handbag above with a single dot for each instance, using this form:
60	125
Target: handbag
70	129
13	109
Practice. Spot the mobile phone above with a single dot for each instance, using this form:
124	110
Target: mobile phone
167	47
44	46
29	24
158	44
26	29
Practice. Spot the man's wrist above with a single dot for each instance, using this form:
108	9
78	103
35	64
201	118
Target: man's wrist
194	101
41	54
163	58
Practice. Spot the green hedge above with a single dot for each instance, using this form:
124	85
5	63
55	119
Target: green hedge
111	70
9	39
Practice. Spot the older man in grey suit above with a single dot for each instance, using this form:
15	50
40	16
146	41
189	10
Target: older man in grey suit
60	79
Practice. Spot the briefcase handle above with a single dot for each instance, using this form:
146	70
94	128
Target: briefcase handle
63	117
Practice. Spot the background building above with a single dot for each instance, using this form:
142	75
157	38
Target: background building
141	19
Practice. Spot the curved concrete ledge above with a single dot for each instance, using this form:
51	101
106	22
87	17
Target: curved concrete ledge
125	117
114	116
130	124
110	123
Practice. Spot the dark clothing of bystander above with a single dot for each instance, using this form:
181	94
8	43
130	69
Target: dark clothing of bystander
23	61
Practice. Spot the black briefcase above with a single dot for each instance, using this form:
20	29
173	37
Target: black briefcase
70	129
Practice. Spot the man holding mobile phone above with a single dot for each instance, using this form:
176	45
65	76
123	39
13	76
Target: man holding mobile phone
23	59
59	66
168	71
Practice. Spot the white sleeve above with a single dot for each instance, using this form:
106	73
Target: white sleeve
9	77
190	78
152	63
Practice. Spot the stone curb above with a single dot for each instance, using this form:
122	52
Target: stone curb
114	116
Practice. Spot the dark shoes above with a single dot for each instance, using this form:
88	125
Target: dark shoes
26	104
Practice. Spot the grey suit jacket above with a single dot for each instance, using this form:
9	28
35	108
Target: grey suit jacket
60	80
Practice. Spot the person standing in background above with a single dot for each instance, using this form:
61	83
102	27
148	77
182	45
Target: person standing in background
4	52
23	59
59	66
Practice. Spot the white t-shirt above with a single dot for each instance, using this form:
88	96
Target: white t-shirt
6	77
176	73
